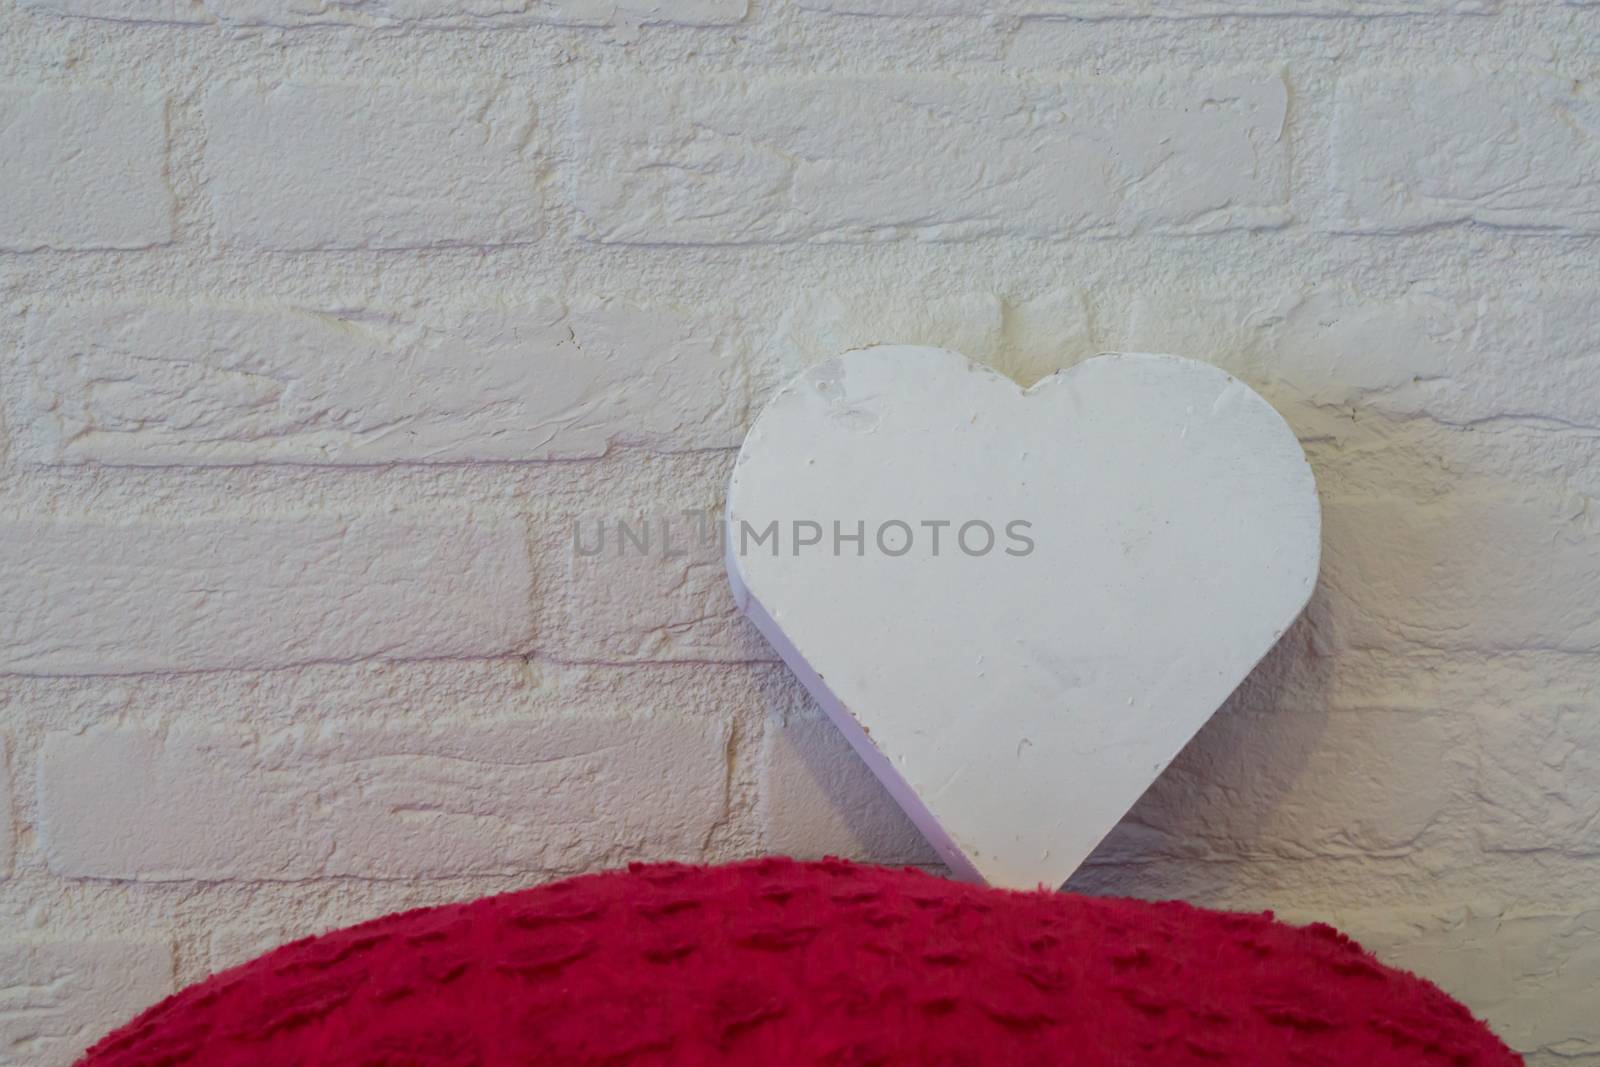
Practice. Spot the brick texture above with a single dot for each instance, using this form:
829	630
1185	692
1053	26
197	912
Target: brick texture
136	11
83	168
352	800
8	839
60	996
646	585
736	160
292	14
1511	148
401	14
372	166
1468	359
1132	9
99	598
1534	764
1288	784
1408	572
262	382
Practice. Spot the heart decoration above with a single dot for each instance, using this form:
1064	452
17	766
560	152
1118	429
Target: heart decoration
1019	605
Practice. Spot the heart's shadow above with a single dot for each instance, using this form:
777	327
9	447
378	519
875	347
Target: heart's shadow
1233	799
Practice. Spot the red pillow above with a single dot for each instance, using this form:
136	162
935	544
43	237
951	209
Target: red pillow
776	962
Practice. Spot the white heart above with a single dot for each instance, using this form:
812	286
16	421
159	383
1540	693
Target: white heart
1016	703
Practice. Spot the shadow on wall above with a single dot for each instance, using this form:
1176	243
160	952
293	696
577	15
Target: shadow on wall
1223	797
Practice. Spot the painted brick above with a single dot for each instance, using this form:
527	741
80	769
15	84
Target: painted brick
83	168
363	800
299	166
58	997
1514	149
192	594
1024	338
734	160
1461	358
818	799
473	14
1426	573
644	585
1128	9
385	14
1536	766
230	946
1291	784
1529	973
157	11
202	383
1045	333
822	323
8	829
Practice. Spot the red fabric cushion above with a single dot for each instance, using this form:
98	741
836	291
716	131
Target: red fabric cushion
777	962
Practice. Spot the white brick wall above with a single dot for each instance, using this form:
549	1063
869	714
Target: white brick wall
323	323
1513	148
8	839
213	593
1421	573
1131	9
341	800
112	143
386	14
730	160
57	996
1534	763
367	165
272	382
649	585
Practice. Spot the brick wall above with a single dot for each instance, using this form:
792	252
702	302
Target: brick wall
322	322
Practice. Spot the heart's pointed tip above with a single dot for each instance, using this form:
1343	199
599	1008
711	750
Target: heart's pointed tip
1047	874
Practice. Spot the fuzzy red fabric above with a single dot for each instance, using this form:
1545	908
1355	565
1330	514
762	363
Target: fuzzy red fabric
776	962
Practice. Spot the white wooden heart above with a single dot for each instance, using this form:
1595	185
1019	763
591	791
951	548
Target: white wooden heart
1155	529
